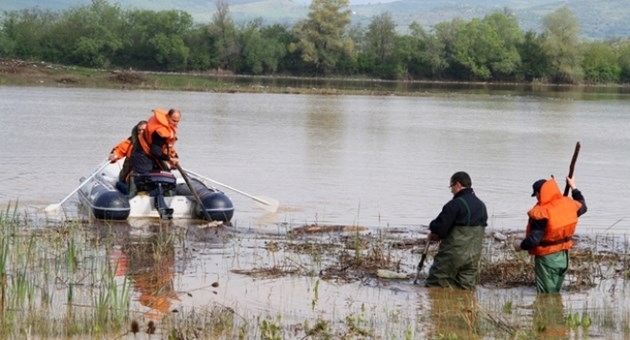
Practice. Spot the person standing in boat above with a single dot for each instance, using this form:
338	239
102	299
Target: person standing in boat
124	150
157	143
550	228
460	228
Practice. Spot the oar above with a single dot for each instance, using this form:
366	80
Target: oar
55	206
192	190
572	166
421	263
266	203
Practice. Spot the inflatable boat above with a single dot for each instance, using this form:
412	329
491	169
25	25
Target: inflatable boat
160	194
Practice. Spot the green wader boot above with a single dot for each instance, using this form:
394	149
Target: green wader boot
456	264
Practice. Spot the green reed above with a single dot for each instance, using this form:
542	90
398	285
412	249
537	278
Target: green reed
111	302
34	264
271	329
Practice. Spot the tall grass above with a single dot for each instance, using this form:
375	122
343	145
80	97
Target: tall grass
37	265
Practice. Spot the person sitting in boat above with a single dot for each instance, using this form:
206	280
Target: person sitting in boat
157	144
124	150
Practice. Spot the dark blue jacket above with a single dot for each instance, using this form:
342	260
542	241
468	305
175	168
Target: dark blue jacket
465	209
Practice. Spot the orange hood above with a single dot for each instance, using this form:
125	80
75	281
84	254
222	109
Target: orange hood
549	191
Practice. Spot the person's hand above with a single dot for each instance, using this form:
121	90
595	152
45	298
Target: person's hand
174	161
433	237
571	182
517	245
112	157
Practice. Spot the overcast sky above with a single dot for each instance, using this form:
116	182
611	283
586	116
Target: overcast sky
352	2
365	2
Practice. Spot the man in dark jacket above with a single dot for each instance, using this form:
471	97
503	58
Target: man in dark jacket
460	227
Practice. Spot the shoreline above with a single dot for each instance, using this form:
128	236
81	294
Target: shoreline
14	72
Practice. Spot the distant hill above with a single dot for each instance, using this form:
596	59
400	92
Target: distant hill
599	19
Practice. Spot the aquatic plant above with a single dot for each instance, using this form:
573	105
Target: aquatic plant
67	280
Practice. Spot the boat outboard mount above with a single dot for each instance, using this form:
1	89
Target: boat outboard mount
158	184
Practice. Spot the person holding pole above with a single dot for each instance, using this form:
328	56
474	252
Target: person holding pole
550	228
157	143
156	148
460	228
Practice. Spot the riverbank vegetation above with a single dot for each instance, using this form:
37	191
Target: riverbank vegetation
100	280
488	49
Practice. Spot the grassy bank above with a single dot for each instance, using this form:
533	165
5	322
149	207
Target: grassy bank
27	73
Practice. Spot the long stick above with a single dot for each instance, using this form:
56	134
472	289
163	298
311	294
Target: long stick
55	206
421	263
266	203
572	166
192	190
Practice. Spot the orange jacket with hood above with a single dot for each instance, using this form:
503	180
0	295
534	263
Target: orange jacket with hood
561	213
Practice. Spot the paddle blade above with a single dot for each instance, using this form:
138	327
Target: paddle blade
52	208
267	203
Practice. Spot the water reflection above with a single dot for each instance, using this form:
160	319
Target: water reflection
384	86
150	268
145	254
325	132
549	319
454	314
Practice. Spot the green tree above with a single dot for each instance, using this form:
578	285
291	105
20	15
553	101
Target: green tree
623	57
291	61
260	54
474	49
447	34
201	46
170	52
487	49
155	40
535	63
362	63
140	25
419	54
380	40
600	63
89	35
434	60
506	61
225	36
323	39
7	46
25	34
560	42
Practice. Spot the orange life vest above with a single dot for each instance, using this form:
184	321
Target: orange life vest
159	122
561	214
123	149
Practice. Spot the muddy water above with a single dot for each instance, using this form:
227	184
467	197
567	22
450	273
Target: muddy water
378	162
371	161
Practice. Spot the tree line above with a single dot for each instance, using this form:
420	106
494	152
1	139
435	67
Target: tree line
325	43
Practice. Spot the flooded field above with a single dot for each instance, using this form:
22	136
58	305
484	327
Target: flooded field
186	280
357	177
